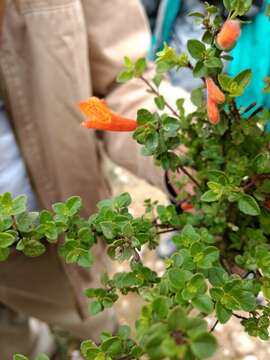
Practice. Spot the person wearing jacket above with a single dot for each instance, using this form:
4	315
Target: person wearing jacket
53	54
171	23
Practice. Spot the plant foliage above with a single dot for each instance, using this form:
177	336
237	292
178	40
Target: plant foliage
222	261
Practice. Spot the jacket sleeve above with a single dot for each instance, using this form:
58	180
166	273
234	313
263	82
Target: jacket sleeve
117	28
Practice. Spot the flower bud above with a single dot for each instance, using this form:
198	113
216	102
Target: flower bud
212	112
214	92
228	34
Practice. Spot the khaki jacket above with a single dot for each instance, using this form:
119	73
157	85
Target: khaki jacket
53	54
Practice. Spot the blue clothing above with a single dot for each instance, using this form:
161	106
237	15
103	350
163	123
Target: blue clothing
167	14
252	51
13	176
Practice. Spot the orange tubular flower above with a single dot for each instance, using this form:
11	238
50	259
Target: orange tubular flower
214	92
213	112
101	117
228	34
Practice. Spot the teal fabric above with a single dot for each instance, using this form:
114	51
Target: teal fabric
172	8
171	13
253	52
154	47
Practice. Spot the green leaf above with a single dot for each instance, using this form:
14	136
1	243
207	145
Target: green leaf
19	357
267	12
203	303
210	196
42	357
45	216
216	187
176	278
217	276
5	223
197	97
89	349
140	66
262	163
187	236
196	14
86	260
216	293
244	78
177	319
61	210
171	125
210	255
151	143
124	332
107	228
224	81
247	300
4	254
6	240
265	186
160	308
125	76
6	200
9	206
239	7
122	201
144	116
200	70
218	176
105	203
223	314
71	256
196	49
207	37
157	80
95	307
180	106
248	205
266	89
50	231
112	346
227	4
101	356
196	286
74	205
160	102
212	9
128	62
203	346
169	348
33	248
86	236
25	221
213	62
19	205
126	279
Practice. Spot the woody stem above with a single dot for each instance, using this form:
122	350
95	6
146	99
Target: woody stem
157	93
185	171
